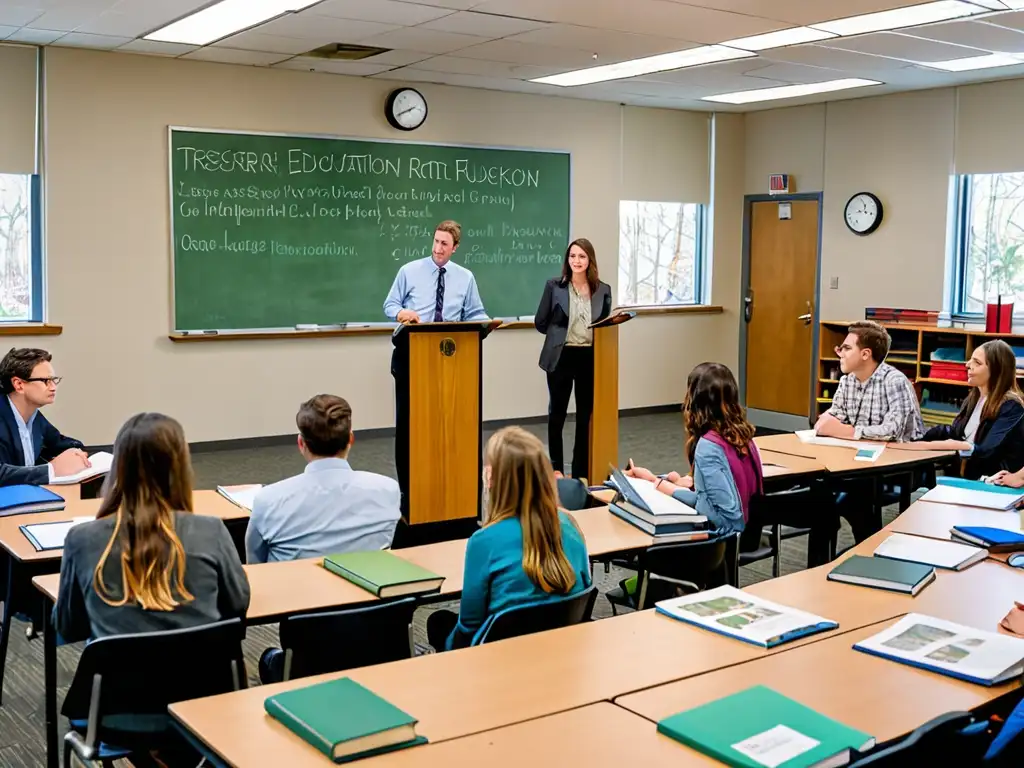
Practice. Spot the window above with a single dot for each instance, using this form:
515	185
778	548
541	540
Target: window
20	269
661	250
989	259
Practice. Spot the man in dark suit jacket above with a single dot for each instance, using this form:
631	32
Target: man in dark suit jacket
32	450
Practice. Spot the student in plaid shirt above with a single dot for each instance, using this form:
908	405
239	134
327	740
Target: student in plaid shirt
874	401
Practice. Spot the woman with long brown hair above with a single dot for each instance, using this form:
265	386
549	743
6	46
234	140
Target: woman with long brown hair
720	447
147	563
569	304
527	552
989	429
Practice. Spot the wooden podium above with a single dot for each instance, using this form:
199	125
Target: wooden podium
604	421
445	370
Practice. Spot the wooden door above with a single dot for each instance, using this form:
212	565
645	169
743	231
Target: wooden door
780	332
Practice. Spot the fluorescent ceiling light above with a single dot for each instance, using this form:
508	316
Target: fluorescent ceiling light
691	57
898	18
789	91
224	18
985	61
792	36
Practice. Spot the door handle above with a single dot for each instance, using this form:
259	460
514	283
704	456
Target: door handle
807	317
748	305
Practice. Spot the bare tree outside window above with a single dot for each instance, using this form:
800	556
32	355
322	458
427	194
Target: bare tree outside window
15	247
994	242
659	246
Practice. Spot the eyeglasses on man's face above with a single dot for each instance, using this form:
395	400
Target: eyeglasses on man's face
46	380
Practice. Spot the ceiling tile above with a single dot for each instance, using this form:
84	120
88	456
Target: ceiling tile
788	73
648	17
977	34
427	40
5	32
157	48
483	24
857	64
85	40
399	58
458	5
324	27
36	36
722	77
461	66
352	68
236	56
899	46
526	53
1008	20
72	15
19	15
802	11
257	41
384	11
610	46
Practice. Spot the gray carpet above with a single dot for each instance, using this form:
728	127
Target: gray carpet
655	441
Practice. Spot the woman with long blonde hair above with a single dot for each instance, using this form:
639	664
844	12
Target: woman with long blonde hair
527	551
147	563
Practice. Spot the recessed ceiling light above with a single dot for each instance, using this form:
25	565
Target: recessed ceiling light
792	36
898	18
224	18
789	91
691	57
985	61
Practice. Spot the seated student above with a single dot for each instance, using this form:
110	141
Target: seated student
721	450
147	563
873	401
330	507
989	430
27	439
527	552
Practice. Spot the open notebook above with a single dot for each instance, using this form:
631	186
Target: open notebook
45	536
101	463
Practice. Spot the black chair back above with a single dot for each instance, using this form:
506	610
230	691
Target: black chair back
142	673
702	564
540	617
953	738
330	642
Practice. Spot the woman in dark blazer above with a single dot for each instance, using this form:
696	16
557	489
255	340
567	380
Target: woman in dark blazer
989	430
570	303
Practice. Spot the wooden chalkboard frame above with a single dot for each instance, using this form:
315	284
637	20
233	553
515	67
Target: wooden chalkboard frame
177	334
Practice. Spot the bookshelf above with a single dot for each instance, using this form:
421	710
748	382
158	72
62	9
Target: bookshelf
913	351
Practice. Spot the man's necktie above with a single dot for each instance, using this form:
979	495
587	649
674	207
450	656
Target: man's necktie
439	301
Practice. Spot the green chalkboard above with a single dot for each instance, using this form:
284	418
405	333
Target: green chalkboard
271	231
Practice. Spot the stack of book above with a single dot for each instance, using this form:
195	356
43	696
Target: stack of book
22	499
974	493
666	519
898	315
937	412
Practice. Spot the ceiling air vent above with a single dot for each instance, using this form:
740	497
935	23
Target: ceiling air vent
345	52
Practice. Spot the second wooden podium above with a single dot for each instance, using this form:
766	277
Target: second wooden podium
604	420
445	369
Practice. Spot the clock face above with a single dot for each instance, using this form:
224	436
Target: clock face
863	213
407	109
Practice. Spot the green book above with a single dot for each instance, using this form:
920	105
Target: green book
759	727
344	720
383	573
882	573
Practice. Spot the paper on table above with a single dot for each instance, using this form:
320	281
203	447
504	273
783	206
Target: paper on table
919	549
52	535
242	495
809	436
101	463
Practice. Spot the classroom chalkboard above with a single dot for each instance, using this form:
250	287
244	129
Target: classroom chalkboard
270	231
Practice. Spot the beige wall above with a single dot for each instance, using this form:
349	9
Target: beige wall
904	148
107	242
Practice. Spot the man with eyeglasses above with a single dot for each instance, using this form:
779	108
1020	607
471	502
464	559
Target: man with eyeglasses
33	451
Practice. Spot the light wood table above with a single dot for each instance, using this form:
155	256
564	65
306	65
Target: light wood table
875	695
927	518
839	459
787	466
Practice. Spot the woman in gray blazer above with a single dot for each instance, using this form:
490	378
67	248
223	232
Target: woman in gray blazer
571	302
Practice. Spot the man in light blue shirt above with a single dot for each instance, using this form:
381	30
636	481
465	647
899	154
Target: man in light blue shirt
430	290
330	507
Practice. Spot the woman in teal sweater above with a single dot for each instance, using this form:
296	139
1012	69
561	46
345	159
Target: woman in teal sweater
527	552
